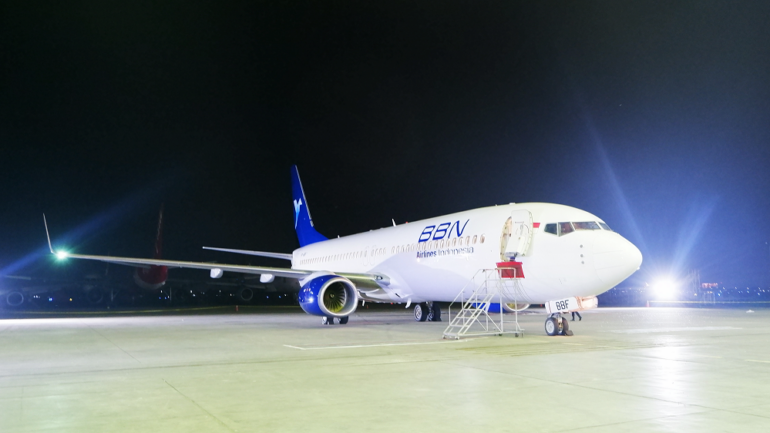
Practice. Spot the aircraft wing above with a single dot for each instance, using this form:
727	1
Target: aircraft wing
364	281
244	269
252	253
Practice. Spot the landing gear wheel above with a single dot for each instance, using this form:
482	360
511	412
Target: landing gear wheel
327	320
435	313
421	312
565	327
552	326
344	320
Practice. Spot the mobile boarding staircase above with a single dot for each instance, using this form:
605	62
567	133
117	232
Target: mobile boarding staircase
493	288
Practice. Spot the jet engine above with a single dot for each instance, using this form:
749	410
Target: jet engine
245	294
152	278
328	295
14	299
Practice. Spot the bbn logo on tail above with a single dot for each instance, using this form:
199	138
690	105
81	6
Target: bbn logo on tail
297	205
303	223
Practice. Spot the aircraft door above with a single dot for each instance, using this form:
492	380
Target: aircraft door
520	234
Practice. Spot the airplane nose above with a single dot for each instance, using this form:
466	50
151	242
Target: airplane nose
615	258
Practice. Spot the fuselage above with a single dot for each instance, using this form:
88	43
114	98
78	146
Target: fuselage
568	252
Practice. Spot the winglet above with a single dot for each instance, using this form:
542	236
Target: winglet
158	251
45	223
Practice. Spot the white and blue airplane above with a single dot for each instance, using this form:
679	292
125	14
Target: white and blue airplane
564	256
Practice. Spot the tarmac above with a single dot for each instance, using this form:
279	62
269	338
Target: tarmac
277	369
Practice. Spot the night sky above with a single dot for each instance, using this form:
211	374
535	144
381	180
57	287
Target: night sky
655	116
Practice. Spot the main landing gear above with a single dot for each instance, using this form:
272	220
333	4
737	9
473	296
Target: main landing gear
555	324
427	311
328	320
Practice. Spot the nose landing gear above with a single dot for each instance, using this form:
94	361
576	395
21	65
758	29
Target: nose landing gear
555	324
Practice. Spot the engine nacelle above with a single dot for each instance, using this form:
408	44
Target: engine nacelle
509	307
328	295
14	299
152	278
245	294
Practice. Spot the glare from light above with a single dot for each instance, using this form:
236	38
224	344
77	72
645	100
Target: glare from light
61	255
666	288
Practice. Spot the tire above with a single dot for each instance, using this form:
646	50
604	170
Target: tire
327	320
436	313
421	312
344	320
564	326
551	326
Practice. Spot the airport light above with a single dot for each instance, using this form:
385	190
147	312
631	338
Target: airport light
666	288
61	255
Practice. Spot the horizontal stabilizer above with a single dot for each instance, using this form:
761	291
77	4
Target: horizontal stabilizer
253	253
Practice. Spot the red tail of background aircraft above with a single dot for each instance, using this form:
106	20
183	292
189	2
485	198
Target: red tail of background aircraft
153	277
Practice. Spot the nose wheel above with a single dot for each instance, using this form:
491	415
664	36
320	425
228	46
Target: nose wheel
557	325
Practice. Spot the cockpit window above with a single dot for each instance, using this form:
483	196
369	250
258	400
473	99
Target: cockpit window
587	225
561	229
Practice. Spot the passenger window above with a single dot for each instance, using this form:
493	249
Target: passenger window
474	239
605	227
551	228
467	240
565	228
587	225
482	239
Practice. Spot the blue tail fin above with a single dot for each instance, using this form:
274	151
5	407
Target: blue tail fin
303	223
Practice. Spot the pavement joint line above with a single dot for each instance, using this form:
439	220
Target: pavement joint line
635	421
108	313
361	346
689	328
199	406
112	342
756	360
585	386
